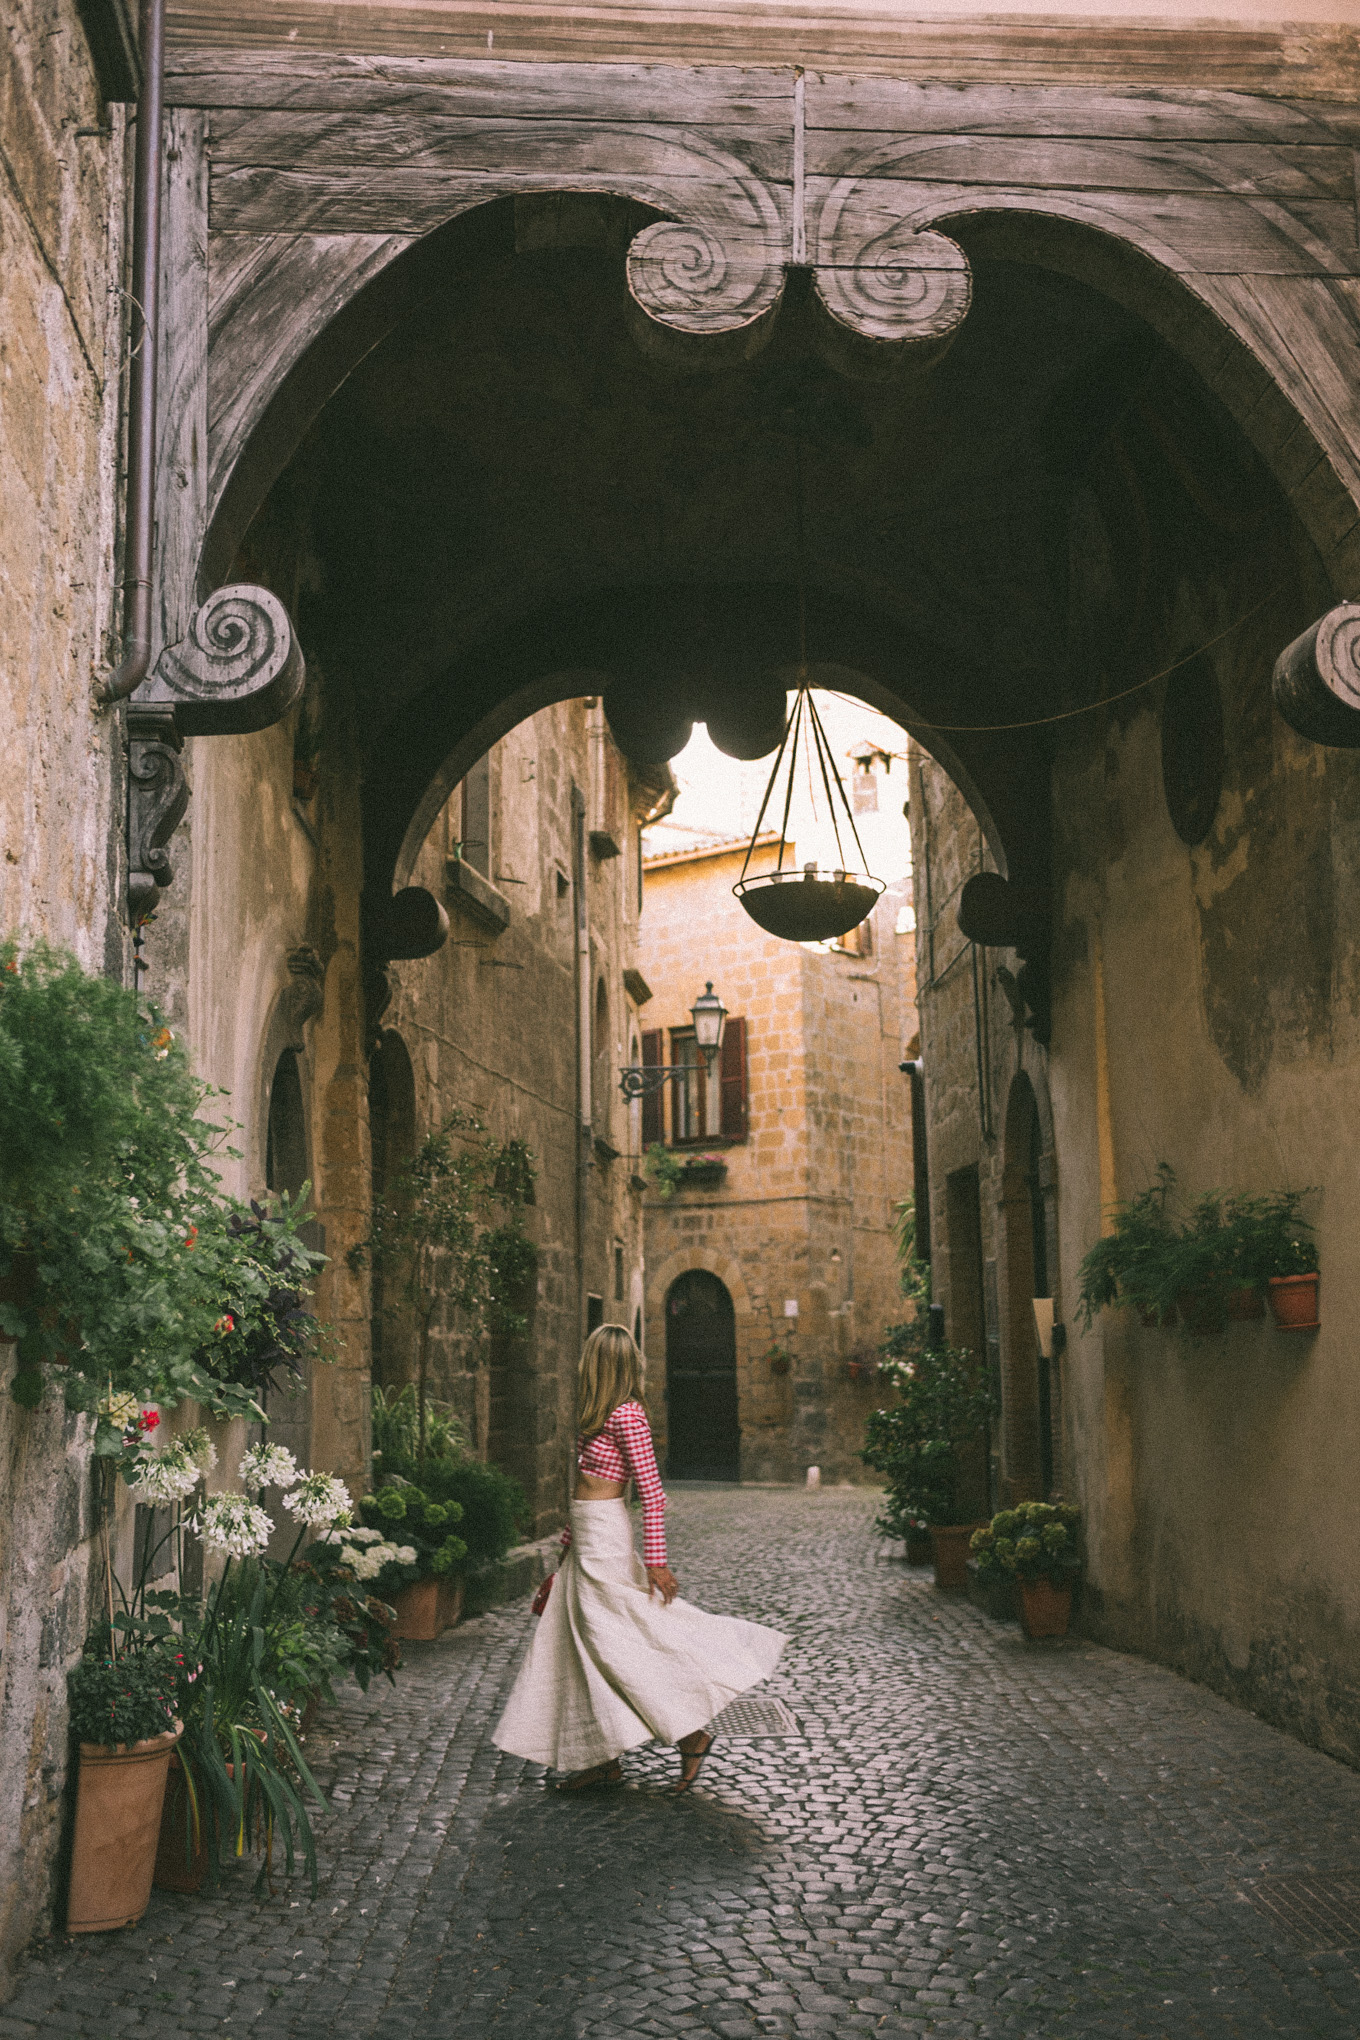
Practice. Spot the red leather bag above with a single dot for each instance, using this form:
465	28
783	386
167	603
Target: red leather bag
541	1597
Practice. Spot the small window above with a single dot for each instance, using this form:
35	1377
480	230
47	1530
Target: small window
864	787
476	822
594	1314
709	1105
618	1273
858	941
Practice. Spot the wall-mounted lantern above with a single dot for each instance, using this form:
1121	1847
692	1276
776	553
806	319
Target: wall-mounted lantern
709	1016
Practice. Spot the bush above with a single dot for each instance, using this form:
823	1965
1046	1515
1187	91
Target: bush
124	1699
494	1510
1035	1541
944	1405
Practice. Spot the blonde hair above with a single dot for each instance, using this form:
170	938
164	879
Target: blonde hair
611	1372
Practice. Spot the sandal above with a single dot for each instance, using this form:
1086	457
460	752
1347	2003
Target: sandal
697	1758
601	1774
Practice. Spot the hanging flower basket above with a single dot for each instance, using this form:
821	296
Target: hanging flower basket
801	906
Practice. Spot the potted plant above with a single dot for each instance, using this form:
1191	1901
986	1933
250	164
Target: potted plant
1278	1253
780	1360
1034	1544
407	1548
123	1710
922	1445
1130	1266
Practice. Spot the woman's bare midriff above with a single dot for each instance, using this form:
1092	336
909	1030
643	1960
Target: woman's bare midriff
590	1488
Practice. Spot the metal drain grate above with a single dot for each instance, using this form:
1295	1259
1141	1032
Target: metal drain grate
1319	1913
755	1717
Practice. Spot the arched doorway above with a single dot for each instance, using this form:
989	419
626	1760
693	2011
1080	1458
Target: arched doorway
1029	1390
392	1138
703	1432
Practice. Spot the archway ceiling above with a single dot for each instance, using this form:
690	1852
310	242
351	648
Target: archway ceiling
508	501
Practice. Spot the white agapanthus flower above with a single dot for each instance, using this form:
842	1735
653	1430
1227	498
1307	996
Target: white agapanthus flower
234	1524
269	1466
406	1554
198	1448
318	1498
166	1476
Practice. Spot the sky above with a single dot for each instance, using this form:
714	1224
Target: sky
720	797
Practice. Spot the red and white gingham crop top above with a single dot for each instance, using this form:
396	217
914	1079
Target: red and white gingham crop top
623	1449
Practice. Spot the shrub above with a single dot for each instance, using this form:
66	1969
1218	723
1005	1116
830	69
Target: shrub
943	1408
125	1699
1034	1541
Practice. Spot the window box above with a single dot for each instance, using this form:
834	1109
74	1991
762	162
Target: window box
703	1172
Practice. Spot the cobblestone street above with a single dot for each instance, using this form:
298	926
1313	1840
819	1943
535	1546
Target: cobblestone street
969	1835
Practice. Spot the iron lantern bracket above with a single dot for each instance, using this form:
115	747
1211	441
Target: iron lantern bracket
640	1080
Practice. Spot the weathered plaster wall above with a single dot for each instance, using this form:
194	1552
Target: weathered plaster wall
805	1213
61	213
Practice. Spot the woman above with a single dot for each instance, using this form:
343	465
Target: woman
618	1659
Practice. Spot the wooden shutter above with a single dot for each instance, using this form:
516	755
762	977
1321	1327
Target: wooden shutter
735	1115
653	1116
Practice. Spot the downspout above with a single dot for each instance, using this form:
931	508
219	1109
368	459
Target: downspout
146	258
583	1057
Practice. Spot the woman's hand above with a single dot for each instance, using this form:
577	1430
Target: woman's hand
663	1579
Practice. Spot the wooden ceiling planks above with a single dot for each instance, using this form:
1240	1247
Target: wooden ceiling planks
1305	60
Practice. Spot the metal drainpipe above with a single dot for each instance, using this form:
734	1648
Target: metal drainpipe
146	256
583	1058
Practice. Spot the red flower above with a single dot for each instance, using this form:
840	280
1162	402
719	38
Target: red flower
192	1240
149	1419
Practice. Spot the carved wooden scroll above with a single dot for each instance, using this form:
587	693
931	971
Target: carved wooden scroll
239	668
1317	679
889	283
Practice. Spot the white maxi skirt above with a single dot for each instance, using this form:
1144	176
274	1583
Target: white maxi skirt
611	1667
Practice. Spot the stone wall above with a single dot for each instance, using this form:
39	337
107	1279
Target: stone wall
491	1023
61	332
1204	1015
805	1214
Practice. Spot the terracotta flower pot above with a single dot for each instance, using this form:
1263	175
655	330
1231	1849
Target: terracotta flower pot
181	1855
1294	1302
1045	1610
120	1796
427	1608
1245	1305
950	1545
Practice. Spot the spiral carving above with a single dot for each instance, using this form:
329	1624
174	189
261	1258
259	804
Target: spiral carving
1317	679
900	284
696	278
240	668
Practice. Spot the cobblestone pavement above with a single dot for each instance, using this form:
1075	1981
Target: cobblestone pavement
970	1835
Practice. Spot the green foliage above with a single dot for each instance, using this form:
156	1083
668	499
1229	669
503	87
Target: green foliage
913	1274
666	1170
413	1522
494	1510
445	1236
124	1699
1034	1541
1155	1263
943	1408
121	1261
396	1428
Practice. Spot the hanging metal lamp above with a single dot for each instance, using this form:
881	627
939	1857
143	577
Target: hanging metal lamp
801	903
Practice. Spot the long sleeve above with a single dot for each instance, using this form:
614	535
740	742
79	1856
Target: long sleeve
629	1426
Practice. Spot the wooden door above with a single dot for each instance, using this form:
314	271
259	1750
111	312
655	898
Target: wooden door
703	1435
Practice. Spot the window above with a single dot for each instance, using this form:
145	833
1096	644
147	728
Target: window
858	941
864	787
653	1105
708	1106
618	1273
594	1314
